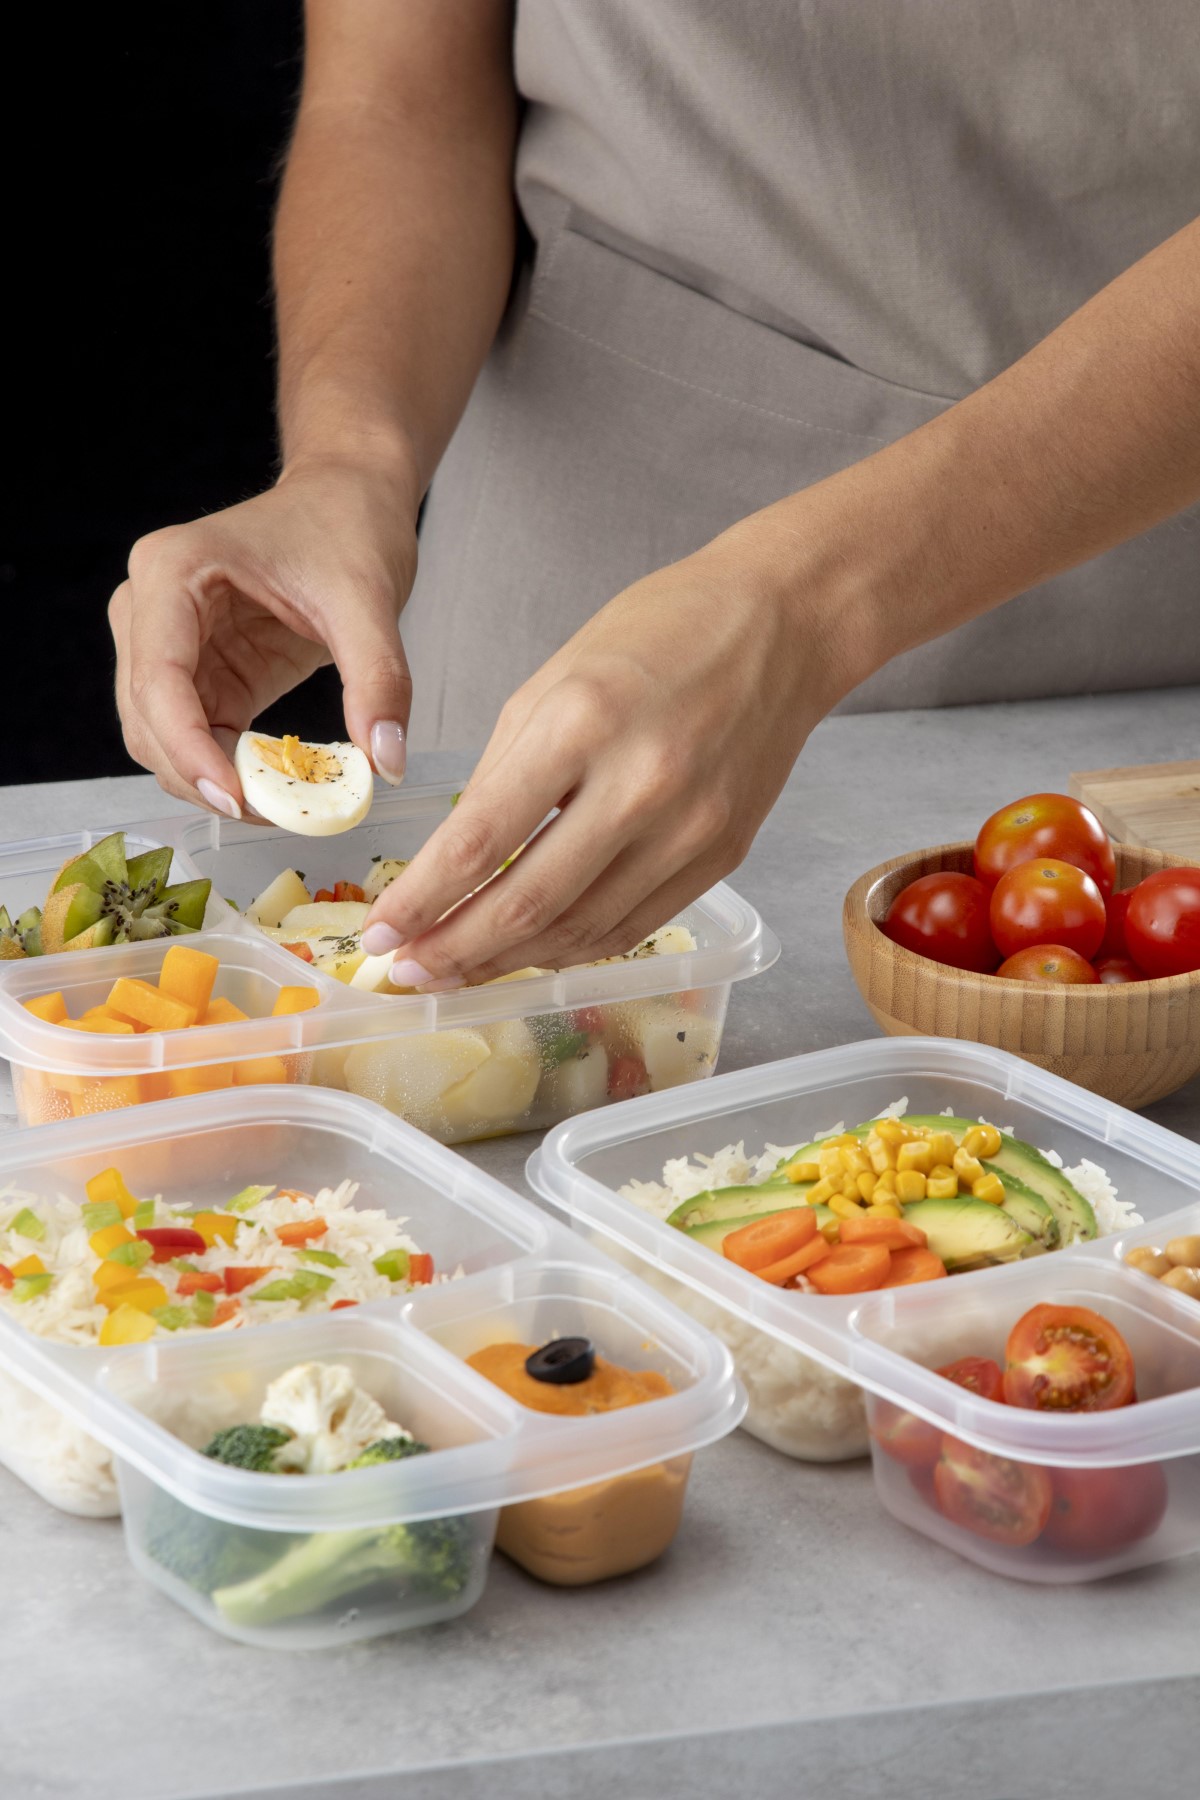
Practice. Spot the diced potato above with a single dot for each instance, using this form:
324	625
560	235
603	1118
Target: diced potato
276	901
409	1075
498	1091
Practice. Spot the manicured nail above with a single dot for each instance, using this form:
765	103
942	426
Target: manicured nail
406	973
218	799
388	751
378	940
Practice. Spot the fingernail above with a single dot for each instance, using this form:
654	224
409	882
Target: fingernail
388	751
377	940
406	973
218	799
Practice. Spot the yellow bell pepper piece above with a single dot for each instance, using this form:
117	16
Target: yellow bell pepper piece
213	1225
108	1237
144	1296
127	1325
111	1275
109	1186
28	1265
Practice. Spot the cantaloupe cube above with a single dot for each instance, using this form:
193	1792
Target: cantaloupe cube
209	1079
294	1000
41	1102
109	1187
142	1004
260	1070
51	1007
105	1094
188	975
154	1087
104	1022
223	1012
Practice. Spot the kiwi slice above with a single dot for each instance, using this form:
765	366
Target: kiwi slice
99	898
22	938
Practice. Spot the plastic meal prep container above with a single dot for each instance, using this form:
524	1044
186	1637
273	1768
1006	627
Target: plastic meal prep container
507	1273
515	1055
818	1368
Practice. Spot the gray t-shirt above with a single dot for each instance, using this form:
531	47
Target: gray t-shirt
772	235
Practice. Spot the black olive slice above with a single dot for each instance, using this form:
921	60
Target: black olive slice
562	1361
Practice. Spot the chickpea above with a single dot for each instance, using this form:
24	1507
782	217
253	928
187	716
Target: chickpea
1186	1281
1149	1260
1184	1252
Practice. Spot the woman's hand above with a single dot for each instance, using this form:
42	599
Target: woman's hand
664	730
220	617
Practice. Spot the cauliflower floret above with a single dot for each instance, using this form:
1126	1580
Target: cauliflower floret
332	1418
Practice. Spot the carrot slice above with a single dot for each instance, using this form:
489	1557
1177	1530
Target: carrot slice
852	1269
896	1234
768	1240
780	1273
301	1231
913	1265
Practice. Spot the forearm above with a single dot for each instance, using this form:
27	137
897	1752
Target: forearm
395	233
1092	437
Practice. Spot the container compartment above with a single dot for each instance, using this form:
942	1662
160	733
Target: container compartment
792	1351
28	867
591	1525
1156	1236
1118	1488
298	1561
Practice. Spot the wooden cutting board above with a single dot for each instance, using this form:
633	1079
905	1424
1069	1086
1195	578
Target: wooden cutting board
1156	806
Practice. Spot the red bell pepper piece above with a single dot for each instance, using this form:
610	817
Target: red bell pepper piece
169	1241
237	1279
420	1267
195	1281
7	1278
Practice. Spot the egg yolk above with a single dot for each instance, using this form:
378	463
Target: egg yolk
303	762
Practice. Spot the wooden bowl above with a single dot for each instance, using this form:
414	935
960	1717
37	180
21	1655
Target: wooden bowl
1131	1042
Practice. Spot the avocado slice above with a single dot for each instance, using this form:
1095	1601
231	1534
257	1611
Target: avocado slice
713	1232
736	1202
968	1234
1076	1220
1031	1213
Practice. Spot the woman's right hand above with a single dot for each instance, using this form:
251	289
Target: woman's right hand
222	616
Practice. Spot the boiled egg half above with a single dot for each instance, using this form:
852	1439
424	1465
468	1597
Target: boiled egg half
315	790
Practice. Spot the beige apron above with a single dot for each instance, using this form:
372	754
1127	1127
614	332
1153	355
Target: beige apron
770	237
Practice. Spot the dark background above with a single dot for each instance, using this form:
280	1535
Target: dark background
141	180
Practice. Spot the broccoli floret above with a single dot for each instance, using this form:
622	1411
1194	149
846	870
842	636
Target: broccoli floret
250	1447
432	1557
385	1450
207	1553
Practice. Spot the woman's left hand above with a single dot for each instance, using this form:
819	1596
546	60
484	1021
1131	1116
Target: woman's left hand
663	732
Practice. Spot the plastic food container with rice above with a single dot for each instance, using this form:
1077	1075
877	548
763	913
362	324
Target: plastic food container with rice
233	1445
832	1377
518	1054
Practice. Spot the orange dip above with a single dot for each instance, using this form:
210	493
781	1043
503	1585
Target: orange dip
605	1389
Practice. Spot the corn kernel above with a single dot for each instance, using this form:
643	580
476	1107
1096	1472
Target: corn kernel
892	1131
857	1160
882	1156
974	1140
831	1230
866	1185
915	1156
942	1147
941	1171
842	1208
967	1168
989	1187
821	1194
803	1171
910	1185
990	1141
885	1187
832	1162
886	1209
941	1187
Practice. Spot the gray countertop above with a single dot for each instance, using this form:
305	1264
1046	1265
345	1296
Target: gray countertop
795	1640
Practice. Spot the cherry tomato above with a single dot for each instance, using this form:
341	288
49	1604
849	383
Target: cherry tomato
1162	925
1067	1359
1047	902
1045	825
626	1077
1113	942
916	1443
1096	1512
1049	965
1114	971
1008	1502
944	917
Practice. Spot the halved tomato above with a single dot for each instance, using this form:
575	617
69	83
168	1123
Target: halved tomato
978	1374
916	1443
1008	1502
1067	1359
1096	1512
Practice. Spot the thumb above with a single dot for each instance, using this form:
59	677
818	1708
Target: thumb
376	685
